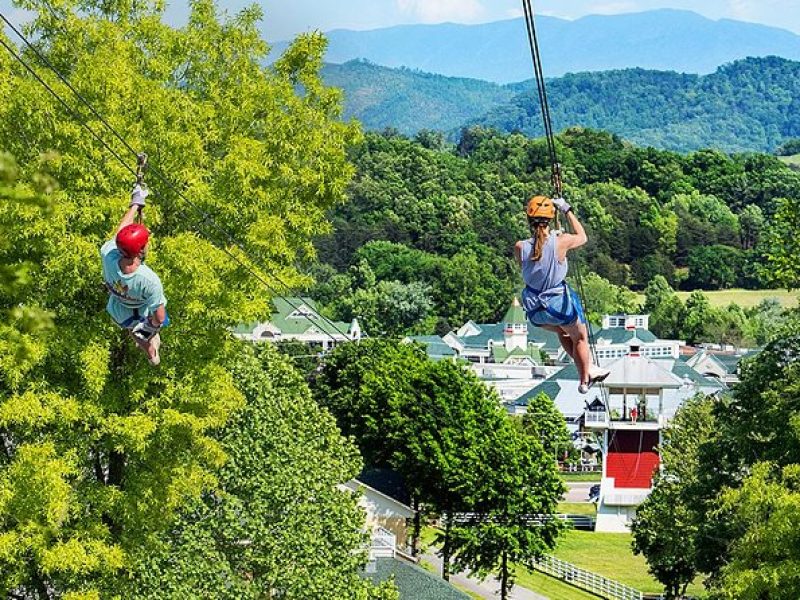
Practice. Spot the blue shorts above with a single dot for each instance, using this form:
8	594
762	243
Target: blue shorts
126	317
556	309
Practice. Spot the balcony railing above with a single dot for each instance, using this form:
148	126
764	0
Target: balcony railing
596	418
383	544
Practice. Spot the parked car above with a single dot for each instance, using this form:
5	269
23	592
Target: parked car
594	493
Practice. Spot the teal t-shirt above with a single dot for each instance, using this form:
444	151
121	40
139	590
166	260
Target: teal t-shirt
140	289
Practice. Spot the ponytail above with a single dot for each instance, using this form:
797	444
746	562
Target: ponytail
539	232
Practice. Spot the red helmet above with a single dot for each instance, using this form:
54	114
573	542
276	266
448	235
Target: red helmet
132	239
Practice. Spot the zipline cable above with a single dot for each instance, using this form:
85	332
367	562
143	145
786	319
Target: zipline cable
555	168
206	217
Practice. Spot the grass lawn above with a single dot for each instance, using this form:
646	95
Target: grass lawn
610	554
607	554
578	508
792	161
578	476
744	298
747	298
550	586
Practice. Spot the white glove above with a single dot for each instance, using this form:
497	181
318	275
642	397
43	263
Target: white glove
144	330
139	195
562	205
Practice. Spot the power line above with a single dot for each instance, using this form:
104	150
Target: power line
206	217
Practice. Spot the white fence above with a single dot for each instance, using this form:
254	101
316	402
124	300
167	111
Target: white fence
586	580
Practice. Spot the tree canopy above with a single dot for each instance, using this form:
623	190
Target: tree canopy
102	454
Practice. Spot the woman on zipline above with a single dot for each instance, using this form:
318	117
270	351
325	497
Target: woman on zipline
548	301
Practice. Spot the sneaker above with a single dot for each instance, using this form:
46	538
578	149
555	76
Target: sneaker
584	388
597	375
152	350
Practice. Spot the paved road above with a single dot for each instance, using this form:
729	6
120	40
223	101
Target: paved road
578	491
488	589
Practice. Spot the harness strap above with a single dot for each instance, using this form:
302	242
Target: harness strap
130	321
571	313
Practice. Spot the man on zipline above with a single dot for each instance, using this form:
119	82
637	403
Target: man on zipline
548	301
136	298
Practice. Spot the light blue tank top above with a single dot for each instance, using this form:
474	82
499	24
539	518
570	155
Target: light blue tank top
545	273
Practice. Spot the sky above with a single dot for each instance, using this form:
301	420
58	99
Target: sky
285	18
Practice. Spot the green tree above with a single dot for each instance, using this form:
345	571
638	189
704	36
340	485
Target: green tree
518	479
666	524
365	386
389	308
700	319
103	450
764	319
474	286
752	222
544	422
763	561
602	297
278	522
714	267
781	247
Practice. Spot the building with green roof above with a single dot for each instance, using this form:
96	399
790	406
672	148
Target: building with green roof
413	582
297	318
723	366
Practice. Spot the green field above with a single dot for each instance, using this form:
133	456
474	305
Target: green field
550	586
580	476
607	554
578	508
792	161
610	554
744	298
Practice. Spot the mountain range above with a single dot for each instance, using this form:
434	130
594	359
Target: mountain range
672	40
749	105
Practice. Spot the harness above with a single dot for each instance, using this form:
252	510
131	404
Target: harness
536	303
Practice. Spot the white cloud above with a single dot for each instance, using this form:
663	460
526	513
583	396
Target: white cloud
612	8
437	11
742	9
513	13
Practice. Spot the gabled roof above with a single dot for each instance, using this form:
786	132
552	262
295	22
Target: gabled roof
640	371
413	582
620	335
713	358
549	387
245	327
494	331
684	371
297	315
501	355
515	314
435	346
400	508
729	361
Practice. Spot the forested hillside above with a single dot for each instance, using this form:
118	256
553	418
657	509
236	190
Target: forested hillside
424	243
750	105
409	100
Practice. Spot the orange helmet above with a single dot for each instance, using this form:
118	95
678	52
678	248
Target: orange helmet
541	207
132	239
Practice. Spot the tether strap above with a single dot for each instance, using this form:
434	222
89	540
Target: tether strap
141	169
